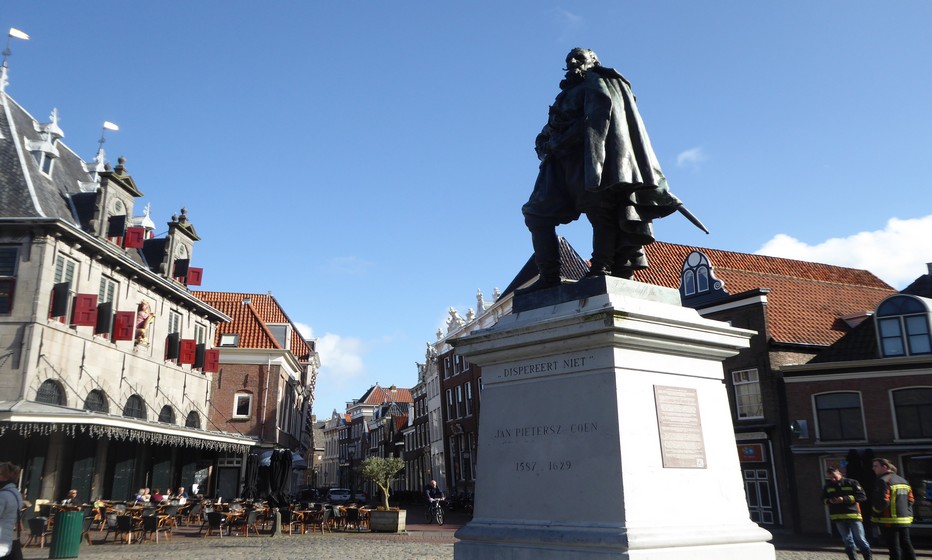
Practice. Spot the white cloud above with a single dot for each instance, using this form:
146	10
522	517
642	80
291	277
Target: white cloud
341	356
691	157
306	330
342	376
570	22
897	254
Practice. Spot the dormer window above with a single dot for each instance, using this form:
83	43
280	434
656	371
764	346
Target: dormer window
696	276
46	162
903	326
229	340
282	334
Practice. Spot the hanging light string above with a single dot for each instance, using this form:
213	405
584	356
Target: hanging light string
27	429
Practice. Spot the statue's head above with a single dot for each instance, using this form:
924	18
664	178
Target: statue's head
579	60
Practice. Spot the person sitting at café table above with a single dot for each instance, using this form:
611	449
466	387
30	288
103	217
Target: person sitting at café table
71	499
140	496
157	496
181	496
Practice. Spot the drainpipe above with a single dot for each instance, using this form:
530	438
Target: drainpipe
265	396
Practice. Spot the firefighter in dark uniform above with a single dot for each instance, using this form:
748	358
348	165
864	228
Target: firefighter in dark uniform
842	496
893	509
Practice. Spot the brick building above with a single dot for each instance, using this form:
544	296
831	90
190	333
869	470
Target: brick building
867	395
796	308
264	385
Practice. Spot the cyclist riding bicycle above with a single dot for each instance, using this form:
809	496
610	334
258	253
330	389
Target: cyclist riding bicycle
434	496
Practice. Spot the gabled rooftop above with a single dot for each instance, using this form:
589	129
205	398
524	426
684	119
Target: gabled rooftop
250	316
377	395
806	300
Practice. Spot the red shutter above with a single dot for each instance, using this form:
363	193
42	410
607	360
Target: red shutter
212	360
85	310
124	325
188	351
194	276
134	238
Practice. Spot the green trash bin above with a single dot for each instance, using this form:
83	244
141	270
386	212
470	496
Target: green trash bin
66	534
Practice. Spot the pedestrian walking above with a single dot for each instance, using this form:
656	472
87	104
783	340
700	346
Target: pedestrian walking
843	497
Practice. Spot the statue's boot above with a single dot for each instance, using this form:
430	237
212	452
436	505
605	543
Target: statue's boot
547	258
604	236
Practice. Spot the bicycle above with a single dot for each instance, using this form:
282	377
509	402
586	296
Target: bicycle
434	511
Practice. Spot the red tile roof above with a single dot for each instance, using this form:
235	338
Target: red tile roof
377	395
250	320
805	301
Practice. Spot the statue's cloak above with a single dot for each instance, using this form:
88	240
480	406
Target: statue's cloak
601	157
617	153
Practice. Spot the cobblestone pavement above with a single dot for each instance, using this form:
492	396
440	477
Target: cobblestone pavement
427	542
416	545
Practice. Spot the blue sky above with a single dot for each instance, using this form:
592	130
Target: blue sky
366	161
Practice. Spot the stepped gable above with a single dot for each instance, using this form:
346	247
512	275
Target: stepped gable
805	300
249	320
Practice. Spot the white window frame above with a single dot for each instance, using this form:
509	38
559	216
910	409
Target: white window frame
744	380
175	321
236	401
109	289
66	270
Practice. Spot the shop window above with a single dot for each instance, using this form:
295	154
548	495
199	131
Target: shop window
748	401
903	327
913	407
50	392
839	416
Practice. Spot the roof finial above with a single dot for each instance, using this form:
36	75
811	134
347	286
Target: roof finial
13	34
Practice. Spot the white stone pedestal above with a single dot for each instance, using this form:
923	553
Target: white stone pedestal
605	432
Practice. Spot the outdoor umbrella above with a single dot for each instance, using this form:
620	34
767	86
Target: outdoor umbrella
279	477
297	461
251	477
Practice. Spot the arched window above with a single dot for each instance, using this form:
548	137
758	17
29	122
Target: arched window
193	420
839	416
135	407
903	326
697	277
913	407
50	392
167	415
96	401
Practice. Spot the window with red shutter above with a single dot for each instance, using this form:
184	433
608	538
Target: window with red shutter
135	236
212	360
194	276
85	310
124	325
188	351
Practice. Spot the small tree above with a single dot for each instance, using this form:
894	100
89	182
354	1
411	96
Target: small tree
382	471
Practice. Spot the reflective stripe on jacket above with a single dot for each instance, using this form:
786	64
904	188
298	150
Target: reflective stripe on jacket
893	501
851	493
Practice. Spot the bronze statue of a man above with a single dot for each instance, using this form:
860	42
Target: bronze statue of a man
596	159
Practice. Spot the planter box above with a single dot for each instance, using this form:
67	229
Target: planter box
392	521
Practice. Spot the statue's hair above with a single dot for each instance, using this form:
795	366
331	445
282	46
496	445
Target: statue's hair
590	52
